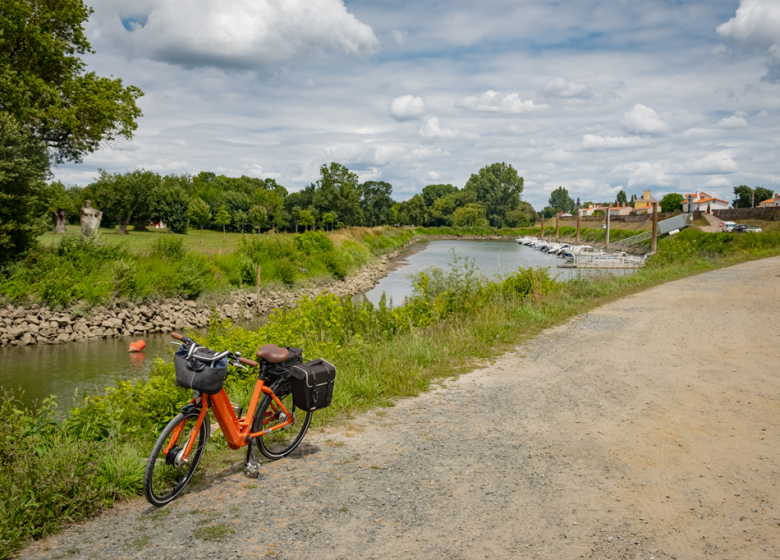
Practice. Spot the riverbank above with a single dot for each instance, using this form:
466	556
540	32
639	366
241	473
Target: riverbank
21	326
649	452
454	323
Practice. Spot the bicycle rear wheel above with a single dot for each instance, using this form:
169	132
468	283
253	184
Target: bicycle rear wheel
167	473
282	442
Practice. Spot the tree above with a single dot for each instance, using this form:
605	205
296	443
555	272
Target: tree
413	211
258	215
749	198
306	218
432	193
443	209
621	197
222	219
470	215
295	213
126	196
199	213
672	202
578	202
522	216
240	218
376	202
632	202
561	201
44	85
548	212
24	164
329	218
338	192
497	187
54	202
171	206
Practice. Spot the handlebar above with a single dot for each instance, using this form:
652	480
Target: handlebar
185	339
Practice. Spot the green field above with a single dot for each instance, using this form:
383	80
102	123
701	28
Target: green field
141	241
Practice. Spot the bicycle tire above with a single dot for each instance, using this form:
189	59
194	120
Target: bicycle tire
283	442
163	479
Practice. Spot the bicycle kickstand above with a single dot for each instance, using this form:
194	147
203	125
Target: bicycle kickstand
252	466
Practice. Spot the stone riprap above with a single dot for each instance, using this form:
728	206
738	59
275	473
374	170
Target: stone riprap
20	326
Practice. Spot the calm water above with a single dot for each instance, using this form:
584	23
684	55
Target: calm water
490	258
92	365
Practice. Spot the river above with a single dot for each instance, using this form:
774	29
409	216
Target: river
92	365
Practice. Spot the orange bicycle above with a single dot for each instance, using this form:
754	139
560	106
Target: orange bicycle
275	426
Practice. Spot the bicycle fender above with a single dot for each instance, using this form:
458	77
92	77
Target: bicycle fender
191	407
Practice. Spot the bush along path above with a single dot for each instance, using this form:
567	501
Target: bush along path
59	467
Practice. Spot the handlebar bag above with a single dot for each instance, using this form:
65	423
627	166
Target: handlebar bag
199	373
312	384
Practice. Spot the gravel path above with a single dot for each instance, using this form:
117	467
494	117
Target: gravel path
645	429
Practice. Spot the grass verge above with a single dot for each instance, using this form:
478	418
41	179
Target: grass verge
53	471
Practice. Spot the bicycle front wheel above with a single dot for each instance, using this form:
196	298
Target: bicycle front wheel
282	442
167	471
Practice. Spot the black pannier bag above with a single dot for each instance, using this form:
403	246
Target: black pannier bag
195	371
312	384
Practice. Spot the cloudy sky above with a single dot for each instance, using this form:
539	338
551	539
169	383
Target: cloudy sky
594	95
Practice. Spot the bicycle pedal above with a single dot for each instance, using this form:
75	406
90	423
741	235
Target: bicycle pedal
252	469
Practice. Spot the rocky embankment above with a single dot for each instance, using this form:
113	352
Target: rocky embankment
20	326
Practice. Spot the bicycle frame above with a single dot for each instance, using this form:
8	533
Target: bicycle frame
236	430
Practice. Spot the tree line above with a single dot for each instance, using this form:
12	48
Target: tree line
491	197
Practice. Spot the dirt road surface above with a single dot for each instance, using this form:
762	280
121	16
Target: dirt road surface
647	429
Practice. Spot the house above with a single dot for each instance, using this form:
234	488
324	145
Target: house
644	205
771	203
591	209
703	201
624	209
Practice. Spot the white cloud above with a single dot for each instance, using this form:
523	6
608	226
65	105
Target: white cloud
407	107
593	142
426	153
756	26
645	174
560	87
433	176
256	170
732	122
248	34
371	175
399	36
643	120
719	182
431	130
494	102
713	164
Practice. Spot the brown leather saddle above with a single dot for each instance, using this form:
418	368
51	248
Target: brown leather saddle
272	354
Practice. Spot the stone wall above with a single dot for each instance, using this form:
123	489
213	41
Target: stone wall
20	326
736	214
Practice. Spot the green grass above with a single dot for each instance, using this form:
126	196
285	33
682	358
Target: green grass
213	533
149	266
53	471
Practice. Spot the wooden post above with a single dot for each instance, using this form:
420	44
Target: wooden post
257	294
556	227
655	227
542	226
578	227
608	213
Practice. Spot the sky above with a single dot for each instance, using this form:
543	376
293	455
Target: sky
596	96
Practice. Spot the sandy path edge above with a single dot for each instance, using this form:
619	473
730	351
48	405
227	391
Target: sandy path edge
647	428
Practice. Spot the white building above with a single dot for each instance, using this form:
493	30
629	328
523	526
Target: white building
703	201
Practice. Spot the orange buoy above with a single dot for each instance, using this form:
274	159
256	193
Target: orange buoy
137	346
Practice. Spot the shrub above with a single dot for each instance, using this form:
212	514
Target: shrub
169	247
313	242
286	271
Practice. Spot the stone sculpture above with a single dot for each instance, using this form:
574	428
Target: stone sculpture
90	219
61	216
